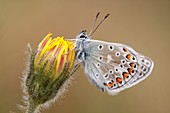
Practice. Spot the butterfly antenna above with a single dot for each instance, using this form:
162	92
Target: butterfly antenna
99	24
92	28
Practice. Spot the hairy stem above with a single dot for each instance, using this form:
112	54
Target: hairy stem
31	108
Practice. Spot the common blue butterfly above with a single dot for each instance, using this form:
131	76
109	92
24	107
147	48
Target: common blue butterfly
111	67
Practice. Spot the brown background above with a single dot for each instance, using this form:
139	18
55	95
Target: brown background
142	24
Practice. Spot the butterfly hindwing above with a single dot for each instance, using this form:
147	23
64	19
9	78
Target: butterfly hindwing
114	67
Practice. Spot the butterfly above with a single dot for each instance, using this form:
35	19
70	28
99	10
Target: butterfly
111	67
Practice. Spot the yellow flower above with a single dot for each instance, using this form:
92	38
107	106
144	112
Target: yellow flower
49	71
55	52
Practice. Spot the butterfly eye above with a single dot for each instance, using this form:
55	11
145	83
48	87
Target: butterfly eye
106	75
116	69
100	47
98	65
123	61
82	36
133	58
111	71
114	85
135	66
100	58
111	48
121	65
145	69
141	74
97	74
117	54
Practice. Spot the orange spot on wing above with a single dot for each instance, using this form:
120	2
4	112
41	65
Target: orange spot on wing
132	64
130	70
119	80
124	49
110	84
129	56
105	84
125	74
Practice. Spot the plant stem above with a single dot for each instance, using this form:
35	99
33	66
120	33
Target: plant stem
31	108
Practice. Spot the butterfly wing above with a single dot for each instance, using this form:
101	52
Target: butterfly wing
114	67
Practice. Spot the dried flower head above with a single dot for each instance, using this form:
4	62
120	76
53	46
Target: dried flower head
49	69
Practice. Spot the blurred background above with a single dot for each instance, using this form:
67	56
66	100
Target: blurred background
141	24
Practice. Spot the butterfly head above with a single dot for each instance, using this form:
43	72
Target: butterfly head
82	35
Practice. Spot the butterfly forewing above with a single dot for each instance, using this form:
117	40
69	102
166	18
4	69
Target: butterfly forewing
114	67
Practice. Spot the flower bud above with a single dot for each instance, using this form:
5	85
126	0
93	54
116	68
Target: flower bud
49	68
